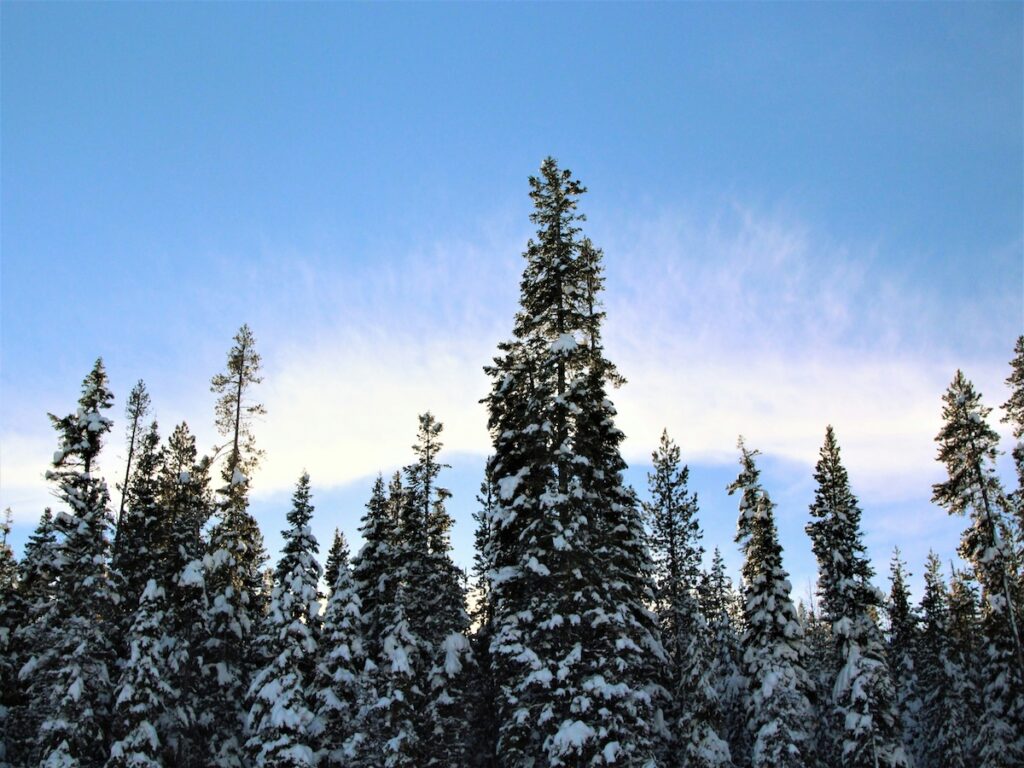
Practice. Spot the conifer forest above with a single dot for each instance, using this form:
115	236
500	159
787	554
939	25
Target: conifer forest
145	625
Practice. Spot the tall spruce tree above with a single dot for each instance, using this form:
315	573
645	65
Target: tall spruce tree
482	752
142	532
424	657
234	561
375	584
340	664
281	716
721	606
31	648
968	447
965	652
863	706
903	639
144	694
945	739
185	501
780	713
73	673
692	710
11	617
574	642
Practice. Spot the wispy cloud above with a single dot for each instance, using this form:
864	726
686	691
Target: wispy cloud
744	321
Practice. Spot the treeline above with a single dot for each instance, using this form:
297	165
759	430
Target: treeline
587	634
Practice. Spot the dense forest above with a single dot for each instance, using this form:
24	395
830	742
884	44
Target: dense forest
151	632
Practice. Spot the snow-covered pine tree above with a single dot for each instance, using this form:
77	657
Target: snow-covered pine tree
423	687
340	663
141	534
573	643
31	648
144	694
483	715
721	606
184	499
968	447
780	714
233	563
398	742
820	665
373	578
692	710
136	411
281	717
945	740
73	677
965	652
440	600
903	638
11	617
863	700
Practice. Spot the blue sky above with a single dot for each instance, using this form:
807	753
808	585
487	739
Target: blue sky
811	214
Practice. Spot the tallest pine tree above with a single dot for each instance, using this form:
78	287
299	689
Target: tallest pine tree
573	644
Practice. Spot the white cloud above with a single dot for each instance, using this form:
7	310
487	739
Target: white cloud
742	322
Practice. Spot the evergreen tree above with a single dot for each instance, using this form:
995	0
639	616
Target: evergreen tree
1014	416
863	706
141	534
335	556
72	676
692	710
184	499
143	695
11	616
574	644
943	679
442	600
136	411
721	607
968	447
373	577
31	648
779	689
964	647
904	633
234	561
424	690
281	716
340	663
483	717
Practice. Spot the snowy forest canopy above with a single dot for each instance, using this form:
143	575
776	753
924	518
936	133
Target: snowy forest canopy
152	633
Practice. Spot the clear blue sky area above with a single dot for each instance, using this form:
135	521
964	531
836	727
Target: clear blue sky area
850	176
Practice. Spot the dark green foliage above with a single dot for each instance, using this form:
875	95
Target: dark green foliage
337	554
